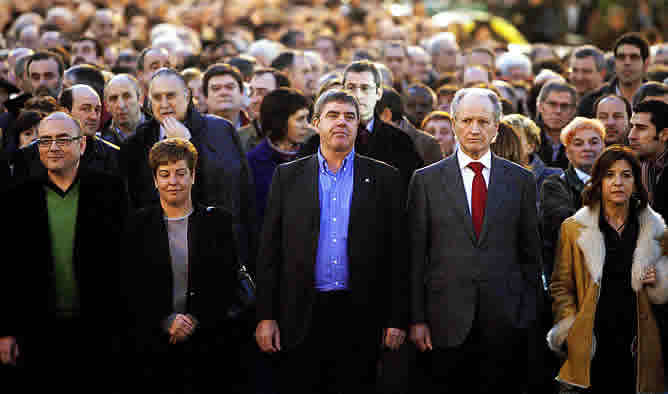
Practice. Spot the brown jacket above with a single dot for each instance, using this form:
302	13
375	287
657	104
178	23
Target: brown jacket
575	288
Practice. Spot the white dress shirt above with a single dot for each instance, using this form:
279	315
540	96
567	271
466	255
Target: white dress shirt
467	173
584	177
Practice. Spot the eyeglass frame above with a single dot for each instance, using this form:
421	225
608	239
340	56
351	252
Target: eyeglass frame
61	142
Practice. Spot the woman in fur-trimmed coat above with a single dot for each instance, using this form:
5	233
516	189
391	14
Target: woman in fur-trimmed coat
609	270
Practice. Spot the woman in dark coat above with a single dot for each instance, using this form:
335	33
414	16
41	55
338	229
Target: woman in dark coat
179	274
284	116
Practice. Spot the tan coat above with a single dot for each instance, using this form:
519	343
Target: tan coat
576	287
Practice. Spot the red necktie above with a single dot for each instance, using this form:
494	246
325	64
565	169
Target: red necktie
478	197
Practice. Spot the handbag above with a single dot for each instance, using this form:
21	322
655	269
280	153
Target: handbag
244	297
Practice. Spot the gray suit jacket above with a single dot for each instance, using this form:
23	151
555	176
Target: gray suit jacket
453	273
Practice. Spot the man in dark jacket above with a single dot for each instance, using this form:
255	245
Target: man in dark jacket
101	156
631	61
64	291
223	176
375	138
329	268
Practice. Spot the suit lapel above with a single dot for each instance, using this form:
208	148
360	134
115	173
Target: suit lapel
362	181
311	173
454	189
496	194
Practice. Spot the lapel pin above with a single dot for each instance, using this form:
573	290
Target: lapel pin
367	180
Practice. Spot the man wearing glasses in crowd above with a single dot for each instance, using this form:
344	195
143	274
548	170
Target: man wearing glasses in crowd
60	223
631	61
556	107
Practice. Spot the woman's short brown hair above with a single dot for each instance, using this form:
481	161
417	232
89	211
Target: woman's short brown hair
592	193
507	143
172	150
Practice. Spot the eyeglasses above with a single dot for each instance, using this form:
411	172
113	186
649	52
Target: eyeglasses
46	143
562	106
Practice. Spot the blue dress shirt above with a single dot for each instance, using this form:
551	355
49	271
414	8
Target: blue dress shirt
336	192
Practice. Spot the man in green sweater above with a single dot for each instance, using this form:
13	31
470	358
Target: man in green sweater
75	217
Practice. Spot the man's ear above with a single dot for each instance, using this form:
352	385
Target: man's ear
386	115
663	135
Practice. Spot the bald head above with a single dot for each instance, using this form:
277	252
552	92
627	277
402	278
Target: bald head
84	105
121	97
73	129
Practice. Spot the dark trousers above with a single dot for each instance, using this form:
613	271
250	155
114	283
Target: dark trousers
480	365
337	356
65	355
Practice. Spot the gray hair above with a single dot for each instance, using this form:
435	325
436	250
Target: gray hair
556	86
480	92
437	42
590	51
266	49
335	95
512	59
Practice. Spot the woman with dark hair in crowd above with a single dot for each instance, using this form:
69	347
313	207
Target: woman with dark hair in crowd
284	116
609	272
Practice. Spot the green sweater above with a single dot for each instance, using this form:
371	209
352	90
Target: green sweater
62	210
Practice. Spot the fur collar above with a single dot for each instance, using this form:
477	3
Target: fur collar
592	245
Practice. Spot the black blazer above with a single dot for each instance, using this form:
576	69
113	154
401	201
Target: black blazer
289	244
100	218
223	175
100	156
387	144
148	280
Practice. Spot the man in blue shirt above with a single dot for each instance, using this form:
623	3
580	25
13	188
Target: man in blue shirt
330	264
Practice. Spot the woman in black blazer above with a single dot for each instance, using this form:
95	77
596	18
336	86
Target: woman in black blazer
180	274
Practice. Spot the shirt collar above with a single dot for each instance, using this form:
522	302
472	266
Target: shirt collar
369	126
465	159
323	163
584	177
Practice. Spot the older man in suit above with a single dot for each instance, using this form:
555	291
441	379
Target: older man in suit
475	257
330	262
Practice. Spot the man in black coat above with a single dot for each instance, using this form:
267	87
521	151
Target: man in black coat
331	261
223	176
84	104
62	298
375	138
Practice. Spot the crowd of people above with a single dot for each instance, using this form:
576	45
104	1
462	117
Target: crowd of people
420	208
